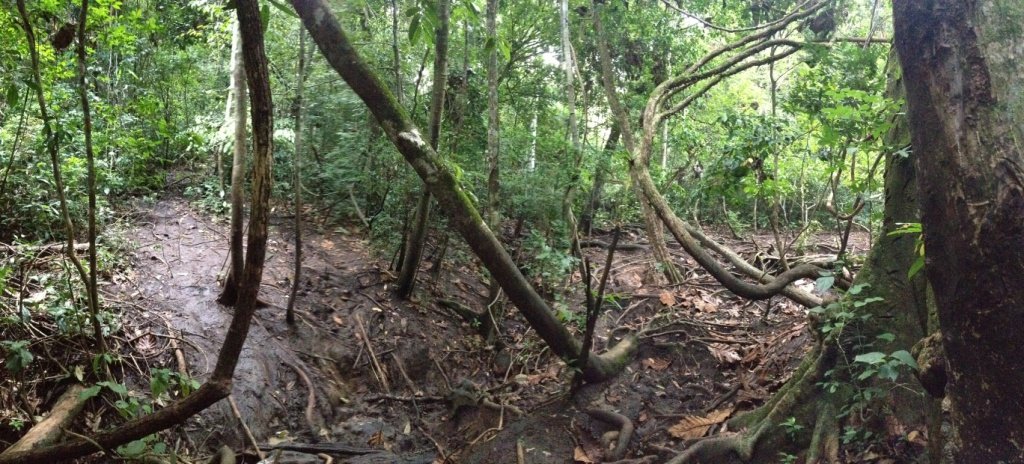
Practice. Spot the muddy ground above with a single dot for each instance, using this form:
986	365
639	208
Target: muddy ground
368	378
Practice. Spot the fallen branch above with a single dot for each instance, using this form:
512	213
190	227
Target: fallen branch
245	429
311	397
49	430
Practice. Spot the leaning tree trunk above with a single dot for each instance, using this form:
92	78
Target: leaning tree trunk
962	64
452	199
229	294
902	312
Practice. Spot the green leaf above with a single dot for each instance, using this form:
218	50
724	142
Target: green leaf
133	449
867	373
12	94
280	6
887	337
265	17
115	387
915	267
824	283
857	288
415	29
905	357
90	392
874	357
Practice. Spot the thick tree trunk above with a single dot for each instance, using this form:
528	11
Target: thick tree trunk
962	64
229	294
453	200
417	238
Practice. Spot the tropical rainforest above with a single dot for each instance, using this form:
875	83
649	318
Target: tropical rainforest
511	231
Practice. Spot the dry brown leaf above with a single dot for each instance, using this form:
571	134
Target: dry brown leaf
655	363
578	455
723	353
697	426
377	440
667	299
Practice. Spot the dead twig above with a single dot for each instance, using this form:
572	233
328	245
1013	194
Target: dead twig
310	398
381	375
245	428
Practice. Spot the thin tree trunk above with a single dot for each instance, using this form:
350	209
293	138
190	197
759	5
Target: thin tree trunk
418	236
493	123
576	155
961	64
600	173
229	294
300	76
83	89
53	147
655	235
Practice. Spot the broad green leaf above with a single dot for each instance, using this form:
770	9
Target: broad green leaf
12	94
874	357
90	392
280	6
905	357
824	283
265	17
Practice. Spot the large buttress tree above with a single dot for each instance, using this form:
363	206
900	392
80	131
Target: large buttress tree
962	64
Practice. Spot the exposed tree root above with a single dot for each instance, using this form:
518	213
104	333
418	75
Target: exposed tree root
625	429
761	437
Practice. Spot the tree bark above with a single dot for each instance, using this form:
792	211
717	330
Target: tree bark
962	65
417	238
229	294
493	122
300	77
655	235
453	200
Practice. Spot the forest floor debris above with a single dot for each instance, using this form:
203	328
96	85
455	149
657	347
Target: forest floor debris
410	381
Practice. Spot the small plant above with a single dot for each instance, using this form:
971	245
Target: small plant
792	427
18	355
